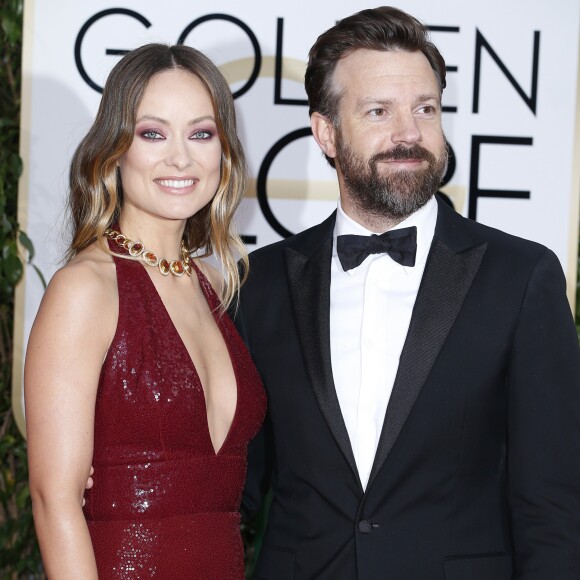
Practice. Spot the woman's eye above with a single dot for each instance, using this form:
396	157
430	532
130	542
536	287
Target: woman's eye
377	112
151	135
201	135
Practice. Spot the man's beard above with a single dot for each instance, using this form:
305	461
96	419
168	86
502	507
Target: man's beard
395	195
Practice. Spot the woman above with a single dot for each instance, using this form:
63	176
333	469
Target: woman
132	364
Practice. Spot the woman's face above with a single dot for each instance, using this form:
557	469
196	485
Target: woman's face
172	168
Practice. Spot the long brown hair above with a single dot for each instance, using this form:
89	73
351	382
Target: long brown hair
95	188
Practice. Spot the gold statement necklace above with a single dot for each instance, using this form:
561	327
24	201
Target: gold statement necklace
138	250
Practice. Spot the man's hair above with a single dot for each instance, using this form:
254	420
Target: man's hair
384	28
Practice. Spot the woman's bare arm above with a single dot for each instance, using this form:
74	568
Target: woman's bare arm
67	345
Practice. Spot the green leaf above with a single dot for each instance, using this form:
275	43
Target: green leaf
13	268
8	478
5	225
40	275
22	497
6	122
27	243
16	165
11	29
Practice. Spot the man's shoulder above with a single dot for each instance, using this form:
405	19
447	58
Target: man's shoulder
302	242
497	241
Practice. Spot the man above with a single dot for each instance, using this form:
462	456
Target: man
424	417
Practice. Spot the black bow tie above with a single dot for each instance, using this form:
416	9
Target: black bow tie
401	245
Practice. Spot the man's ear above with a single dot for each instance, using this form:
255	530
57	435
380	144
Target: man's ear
324	133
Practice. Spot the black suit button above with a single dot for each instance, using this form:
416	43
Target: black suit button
365	527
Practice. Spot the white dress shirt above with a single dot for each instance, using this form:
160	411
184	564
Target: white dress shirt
370	312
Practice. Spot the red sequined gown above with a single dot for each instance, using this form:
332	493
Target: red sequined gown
164	503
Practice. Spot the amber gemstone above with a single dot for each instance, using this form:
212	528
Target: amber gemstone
177	267
136	248
164	266
150	258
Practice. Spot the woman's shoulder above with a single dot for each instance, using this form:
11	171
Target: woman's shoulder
80	298
89	279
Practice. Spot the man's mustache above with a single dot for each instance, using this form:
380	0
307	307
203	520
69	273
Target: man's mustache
402	153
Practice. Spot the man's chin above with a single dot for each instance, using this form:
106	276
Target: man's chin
395	168
402	175
403	185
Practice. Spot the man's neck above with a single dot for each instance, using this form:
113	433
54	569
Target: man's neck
377	223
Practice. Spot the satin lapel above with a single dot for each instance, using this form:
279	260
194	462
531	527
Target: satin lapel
446	280
309	281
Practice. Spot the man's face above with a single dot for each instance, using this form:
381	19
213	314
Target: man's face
389	146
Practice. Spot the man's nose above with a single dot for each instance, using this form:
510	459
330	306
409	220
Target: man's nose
405	128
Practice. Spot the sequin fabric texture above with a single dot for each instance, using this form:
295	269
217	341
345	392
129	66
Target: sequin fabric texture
164	503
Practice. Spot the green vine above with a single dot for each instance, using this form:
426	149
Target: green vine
19	554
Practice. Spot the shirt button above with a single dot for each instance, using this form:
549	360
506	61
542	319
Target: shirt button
365	527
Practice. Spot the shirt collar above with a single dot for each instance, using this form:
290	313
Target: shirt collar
424	219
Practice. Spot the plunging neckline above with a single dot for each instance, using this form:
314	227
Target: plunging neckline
206	290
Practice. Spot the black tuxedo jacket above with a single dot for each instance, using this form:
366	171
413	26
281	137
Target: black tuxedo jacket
477	472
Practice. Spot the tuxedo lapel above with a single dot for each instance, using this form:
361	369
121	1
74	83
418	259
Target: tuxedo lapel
309	282
453	262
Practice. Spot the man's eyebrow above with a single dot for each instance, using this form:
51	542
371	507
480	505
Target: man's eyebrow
375	101
429	97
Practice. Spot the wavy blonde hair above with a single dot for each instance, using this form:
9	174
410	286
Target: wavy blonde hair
95	188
